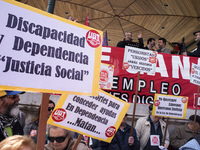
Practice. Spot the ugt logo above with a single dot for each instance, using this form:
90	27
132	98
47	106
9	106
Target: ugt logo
93	38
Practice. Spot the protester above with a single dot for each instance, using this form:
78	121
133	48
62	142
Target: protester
61	139
196	53
128	41
32	127
193	144
182	134
9	125
17	142
162	46
150	44
151	127
122	139
72	19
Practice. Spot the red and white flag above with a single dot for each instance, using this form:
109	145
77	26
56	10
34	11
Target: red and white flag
87	20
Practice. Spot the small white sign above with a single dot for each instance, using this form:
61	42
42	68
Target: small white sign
195	74
95	116
155	140
136	59
170	106
106	76
195	99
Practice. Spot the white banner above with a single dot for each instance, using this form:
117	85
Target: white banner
170	106
195	74
136	59
98	117
43	52
106	76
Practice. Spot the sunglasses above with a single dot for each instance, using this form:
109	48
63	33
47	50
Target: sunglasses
50	108
12	96
59	139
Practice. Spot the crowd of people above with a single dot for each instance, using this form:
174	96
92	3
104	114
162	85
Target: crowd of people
151	45
14	137
160	47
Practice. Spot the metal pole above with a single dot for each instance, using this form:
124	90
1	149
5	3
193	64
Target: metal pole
51	6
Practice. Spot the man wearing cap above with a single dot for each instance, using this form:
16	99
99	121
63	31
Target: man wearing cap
196	53
9	125
182	134
150	131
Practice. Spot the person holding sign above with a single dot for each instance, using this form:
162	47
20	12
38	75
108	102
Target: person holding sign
182	134
62	139
122	139
9	125
150	131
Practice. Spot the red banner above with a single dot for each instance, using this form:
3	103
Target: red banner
172	77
